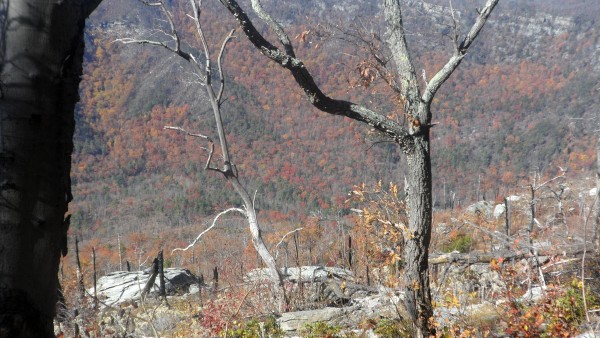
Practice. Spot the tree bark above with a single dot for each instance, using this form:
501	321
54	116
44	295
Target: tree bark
41	54
596	219
162	292
153	274
416	250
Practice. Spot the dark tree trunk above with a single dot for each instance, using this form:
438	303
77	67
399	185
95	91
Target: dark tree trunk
41	54
162	292
596	215
153	273
80	285
416	253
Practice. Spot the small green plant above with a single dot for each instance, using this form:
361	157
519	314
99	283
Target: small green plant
255	329
461	243
392	328
321	330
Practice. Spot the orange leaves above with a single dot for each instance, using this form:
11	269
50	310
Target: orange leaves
382	220
367	73
302	36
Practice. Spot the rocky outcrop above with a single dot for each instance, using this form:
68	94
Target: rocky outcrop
483	208
122	286
385	304
303	273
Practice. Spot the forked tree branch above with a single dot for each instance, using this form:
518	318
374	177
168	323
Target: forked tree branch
409	87
275	26
443	74
306	81
220	66
174	35
210	149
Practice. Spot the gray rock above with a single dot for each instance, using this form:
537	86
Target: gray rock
386	304
533	294
483	208
122	286
499	210
296	321
307	273
589	334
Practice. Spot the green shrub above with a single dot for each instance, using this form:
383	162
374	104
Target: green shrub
392	329
321	330
252	329
462	243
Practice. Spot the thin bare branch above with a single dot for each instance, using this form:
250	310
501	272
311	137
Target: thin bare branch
283	239
441	76
454	27
200	32
148	3
562	175
174	36
188	133
210	149
478	25
220	67
214	222
174	33
127	41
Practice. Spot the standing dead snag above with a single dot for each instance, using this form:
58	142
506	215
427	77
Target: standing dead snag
80	285
203	69
533	188
413	140
153	274
596	219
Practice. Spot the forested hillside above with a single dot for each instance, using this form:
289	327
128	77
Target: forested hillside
526	99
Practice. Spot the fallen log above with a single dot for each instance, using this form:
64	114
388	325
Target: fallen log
487	257
473	258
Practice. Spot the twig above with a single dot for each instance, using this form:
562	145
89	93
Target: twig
210	149
209	228
220	67
283	238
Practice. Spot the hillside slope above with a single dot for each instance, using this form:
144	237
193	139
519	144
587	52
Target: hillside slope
526	99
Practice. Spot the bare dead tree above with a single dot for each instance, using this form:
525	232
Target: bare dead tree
150	282
80	285
596	217
95	279
413	140
203	69
161	276
533	188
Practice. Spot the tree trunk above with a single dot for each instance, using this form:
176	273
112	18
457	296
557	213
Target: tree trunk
150	283
41	57
259	244
162	292
416	250
596	219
